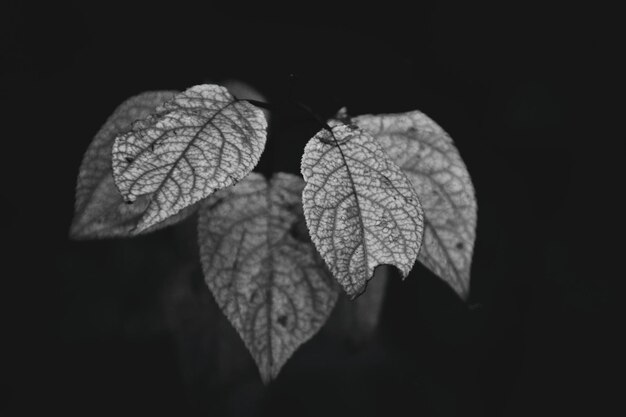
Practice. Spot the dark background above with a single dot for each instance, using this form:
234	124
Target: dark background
124	326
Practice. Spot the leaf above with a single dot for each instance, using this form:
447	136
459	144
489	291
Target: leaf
262	268
100	210
427	155
360	209
199	142
366	310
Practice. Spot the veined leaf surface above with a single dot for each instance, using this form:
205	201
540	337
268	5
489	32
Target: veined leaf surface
262	268
100	210
360	208
427	155
199	142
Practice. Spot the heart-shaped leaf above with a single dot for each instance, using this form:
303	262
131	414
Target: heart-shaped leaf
262	268
199	142
100	210
427	155
360	208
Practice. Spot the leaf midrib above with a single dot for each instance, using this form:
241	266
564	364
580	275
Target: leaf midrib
190	143
358	205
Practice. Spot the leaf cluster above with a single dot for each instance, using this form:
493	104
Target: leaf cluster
375	190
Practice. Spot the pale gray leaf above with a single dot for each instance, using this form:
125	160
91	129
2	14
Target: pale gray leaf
360	208
100	210
426	153
201	141
262	268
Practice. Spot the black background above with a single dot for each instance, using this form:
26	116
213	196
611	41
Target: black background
98	327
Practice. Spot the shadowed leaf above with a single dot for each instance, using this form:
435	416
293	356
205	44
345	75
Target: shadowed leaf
262	268
100	210
360	209
199	142
427	155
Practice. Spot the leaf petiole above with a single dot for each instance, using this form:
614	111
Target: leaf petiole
307	110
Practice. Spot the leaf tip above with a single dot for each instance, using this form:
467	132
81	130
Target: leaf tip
357	290
75	230
267	375
80	228
463	293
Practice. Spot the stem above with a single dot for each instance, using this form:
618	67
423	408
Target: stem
261	104
306	109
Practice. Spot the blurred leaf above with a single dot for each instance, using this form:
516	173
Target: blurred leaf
201	141
100	210
427	155
360	208
262	268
